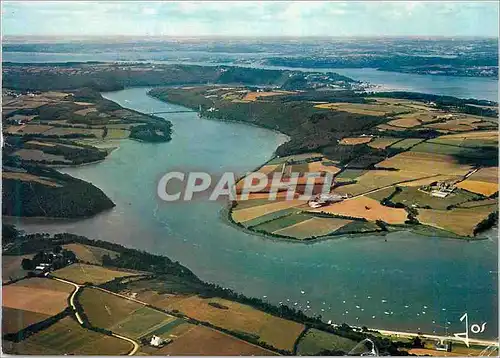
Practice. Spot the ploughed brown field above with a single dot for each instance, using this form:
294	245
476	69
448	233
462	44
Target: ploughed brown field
234	316
201	340
14	320
40	295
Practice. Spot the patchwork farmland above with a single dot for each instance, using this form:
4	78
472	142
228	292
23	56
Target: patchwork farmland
407	176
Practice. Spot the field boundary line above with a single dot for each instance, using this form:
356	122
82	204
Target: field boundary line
229	335
296	224
72	297
80	320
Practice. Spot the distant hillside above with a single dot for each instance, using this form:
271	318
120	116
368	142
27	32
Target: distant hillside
38	191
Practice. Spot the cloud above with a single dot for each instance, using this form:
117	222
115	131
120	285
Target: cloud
251	18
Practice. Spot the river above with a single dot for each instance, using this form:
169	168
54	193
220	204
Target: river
408	282
462	87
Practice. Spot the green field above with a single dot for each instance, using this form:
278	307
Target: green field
68	337
243	204
428	147
466	142
406	143
350	174
381	194
358	226
268	217
141	322
315	341
413	196
104	309
282	222
161	331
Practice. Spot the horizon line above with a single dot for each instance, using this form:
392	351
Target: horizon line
72	37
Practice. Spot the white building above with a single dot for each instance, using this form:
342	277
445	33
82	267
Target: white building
156	341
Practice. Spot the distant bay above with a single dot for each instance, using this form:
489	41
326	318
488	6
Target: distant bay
462	87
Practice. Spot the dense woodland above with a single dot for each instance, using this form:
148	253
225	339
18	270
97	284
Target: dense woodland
112	77
71	199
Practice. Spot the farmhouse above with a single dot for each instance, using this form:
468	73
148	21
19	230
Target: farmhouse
158	341
325	199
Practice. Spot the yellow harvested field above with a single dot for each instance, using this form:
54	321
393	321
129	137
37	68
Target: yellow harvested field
40	295
455	125
459	221
81	273
315	167
234	316
115	133
252	96
256	211
427	181
28	177
313	227
382	142
266	169
90	254
85	111
484	181
355	140
365	109
279	196
364	207
374	179
422	107
479	187
386	127
426	164
405	122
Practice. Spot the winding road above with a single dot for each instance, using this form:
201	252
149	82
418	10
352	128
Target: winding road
80	320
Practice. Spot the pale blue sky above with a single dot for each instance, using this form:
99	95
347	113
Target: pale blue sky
248	18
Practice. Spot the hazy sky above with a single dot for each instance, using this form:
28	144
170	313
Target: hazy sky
248	18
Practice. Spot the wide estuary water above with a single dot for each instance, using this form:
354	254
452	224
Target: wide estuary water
401	281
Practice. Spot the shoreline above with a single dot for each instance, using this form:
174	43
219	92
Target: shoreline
229	219
252	233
